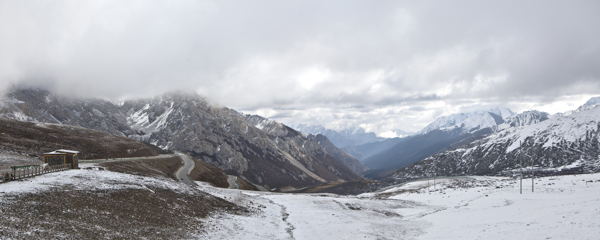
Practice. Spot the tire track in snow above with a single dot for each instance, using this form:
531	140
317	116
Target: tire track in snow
284	217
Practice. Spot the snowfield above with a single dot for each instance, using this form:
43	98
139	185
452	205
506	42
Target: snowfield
563	207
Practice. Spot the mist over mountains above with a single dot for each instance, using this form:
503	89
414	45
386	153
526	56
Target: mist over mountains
344	138
268	153
264	152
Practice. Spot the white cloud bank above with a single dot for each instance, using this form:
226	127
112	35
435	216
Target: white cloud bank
384	65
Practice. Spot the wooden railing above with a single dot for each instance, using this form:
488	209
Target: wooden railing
20	172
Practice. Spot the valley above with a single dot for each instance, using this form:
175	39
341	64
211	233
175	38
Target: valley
97	202
175	166
299	120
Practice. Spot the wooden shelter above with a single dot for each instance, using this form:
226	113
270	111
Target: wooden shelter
62	156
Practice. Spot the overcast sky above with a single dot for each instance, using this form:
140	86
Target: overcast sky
382	65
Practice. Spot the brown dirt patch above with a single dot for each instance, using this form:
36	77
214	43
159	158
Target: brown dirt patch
31	140
206	172
154	213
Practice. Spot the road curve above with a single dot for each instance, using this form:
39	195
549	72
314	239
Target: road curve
183	173
232	182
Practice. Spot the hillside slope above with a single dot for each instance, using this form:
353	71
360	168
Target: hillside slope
353	164
25	142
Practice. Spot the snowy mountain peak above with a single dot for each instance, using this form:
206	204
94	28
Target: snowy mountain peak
590	104
592	101
524	119
470	121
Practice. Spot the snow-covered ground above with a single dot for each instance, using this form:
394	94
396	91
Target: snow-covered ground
563	207
312	216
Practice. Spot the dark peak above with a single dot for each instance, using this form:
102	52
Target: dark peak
497	118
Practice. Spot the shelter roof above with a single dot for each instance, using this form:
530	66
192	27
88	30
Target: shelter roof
55	153
67	151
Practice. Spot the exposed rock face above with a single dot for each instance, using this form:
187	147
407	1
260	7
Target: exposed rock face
41	106
524	119
277	157
562	144
338	154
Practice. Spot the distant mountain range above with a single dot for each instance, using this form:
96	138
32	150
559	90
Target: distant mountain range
344	138
469	122
259	150
561	144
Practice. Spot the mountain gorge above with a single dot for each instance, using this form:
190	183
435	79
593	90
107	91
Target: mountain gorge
259	150
439	135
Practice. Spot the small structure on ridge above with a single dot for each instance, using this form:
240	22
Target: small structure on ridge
62	156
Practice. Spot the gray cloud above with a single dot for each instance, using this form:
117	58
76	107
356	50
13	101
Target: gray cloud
383	65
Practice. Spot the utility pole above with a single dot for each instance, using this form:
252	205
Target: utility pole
532	159
521	167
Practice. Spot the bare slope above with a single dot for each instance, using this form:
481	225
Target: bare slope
343	157
25	140
93	203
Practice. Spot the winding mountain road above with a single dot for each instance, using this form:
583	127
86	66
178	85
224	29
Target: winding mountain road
232	182
183	173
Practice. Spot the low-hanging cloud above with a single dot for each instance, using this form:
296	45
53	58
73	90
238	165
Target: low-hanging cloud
385	64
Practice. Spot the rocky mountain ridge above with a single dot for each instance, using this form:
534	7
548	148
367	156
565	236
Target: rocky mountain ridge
471	121
445	133
277	157
561	144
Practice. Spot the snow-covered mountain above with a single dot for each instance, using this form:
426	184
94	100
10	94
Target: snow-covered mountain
262	151
344	138
445	133
561	144
469	122
524	119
